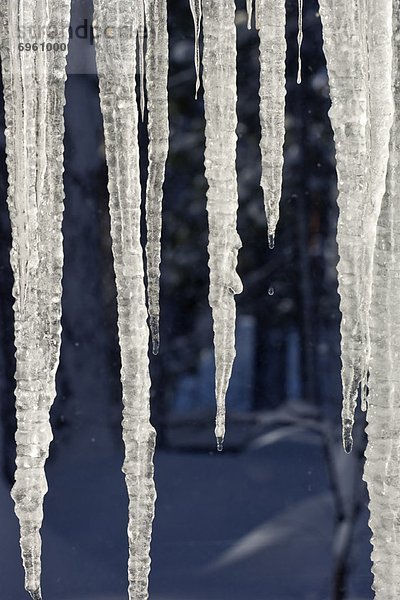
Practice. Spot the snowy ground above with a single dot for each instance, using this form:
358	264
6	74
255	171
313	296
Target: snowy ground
254	525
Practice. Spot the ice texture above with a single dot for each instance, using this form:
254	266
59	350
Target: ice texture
219	82
158	131
116	61
300	8
382	467
270	22
357	45
34	83
141	43
249	8
195	7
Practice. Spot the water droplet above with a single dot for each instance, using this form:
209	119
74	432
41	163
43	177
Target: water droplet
271	291
220	444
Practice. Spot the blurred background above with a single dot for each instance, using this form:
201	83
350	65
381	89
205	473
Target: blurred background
281	513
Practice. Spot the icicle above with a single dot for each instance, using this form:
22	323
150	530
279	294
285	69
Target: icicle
219	80
299	38
270	20
249	6
195	6
158	127
361	116
381	110
142	68
117	66
34	101
382	467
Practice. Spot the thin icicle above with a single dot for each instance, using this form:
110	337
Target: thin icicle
300	8
249	6
116	61
142	68
195	6
34	102
219	80
158	129
382	467
270	22
361	116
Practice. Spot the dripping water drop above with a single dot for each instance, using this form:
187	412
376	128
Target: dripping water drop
271	291
220	444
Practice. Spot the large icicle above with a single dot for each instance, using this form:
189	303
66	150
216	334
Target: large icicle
358	52
34	100
116	61
158	128
270	22
381	111
382	467
219	81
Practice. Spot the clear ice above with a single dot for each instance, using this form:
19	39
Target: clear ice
220	96
357	45
34	85
116	63
270	22
382	467
158	131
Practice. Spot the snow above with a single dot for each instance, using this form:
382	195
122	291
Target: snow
117	67
206	545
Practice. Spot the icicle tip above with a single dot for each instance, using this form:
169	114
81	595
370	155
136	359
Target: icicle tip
347	436
35	594
155	334
271	241
220	444
155	346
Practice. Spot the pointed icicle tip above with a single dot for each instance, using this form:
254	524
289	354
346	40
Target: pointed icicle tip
348	444
35	594
249	5
347	438
155	334
155	345
347	434
220	444
271	241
